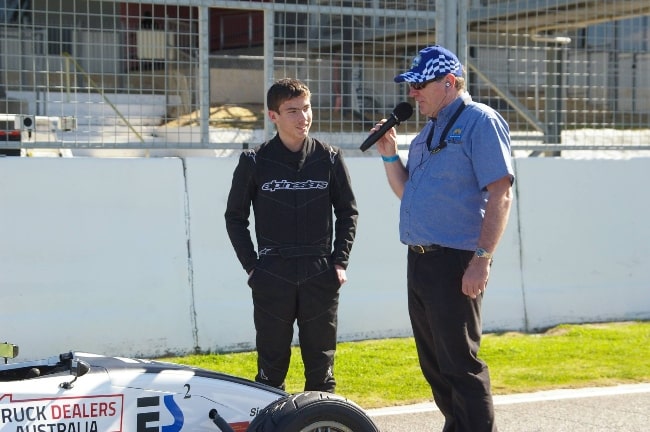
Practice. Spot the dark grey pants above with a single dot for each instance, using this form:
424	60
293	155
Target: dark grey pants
303	290
447	330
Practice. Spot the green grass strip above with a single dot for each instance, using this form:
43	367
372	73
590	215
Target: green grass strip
378	373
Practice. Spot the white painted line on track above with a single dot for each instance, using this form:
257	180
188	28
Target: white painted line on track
548	395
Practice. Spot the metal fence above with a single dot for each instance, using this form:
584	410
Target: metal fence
181	74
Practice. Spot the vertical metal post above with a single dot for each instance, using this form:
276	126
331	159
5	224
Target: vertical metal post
451	28
250	29
462	50
446	24
554	95
204	74
269	53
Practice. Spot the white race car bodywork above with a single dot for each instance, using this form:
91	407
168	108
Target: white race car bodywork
119	394
81	392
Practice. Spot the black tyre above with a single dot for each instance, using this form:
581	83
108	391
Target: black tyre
312	412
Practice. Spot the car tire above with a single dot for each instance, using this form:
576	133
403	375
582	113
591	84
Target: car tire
311	412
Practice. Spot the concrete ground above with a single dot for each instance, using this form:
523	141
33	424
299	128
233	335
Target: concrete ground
624	408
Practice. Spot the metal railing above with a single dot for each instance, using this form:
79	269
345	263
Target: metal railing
193	74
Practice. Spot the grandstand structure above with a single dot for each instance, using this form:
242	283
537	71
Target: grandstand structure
192	75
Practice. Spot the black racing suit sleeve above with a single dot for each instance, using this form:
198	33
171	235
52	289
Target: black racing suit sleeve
345	211
238	208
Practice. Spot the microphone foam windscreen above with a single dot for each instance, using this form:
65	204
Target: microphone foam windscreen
403	111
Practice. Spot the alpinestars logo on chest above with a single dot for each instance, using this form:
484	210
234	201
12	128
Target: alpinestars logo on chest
275	185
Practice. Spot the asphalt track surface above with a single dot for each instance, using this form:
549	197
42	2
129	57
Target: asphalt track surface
624	408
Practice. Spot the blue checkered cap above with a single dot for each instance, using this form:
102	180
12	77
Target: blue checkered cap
431	62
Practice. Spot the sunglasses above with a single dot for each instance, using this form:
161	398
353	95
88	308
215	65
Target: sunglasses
420	86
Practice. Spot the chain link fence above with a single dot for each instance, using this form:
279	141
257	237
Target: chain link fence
83	75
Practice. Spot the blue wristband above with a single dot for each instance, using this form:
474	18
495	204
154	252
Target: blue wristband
393	158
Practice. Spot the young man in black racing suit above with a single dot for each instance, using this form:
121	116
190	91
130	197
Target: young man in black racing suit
294	184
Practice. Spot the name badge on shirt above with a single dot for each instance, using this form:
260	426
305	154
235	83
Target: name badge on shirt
455	137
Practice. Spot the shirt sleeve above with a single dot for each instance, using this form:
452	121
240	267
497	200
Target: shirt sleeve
491	149
238	207
345	211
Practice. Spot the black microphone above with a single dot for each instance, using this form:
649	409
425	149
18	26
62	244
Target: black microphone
403	111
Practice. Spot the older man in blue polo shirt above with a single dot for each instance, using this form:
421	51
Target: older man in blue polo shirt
456	194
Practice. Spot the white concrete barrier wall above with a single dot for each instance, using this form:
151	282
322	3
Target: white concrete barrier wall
131	256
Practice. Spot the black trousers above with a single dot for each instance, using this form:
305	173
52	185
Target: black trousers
303	290
447	331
